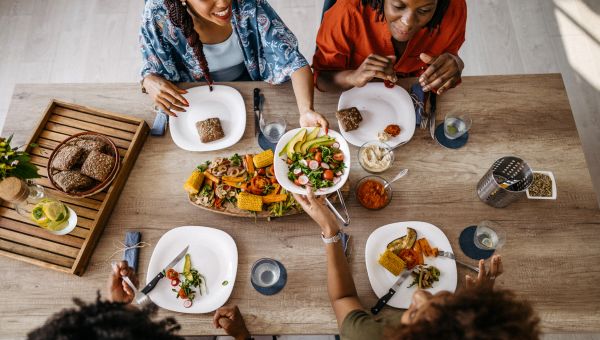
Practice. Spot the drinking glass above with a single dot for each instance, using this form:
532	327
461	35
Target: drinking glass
272	127
489	236
265	273
456	125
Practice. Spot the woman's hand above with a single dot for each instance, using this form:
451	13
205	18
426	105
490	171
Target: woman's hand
230	319
119	290
315	208
166	95
311	118
375	66
443	72
486	279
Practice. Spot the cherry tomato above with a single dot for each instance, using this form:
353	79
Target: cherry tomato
262	171
289	161
338	156
182	293
388	84
297	182
328	175
313	149
319	157
172	274
174	282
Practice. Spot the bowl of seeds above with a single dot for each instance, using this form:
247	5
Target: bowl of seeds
543	186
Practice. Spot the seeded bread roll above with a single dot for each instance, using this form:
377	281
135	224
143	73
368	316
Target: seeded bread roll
349	118
67	157
98	165
89	145
71	181
210	130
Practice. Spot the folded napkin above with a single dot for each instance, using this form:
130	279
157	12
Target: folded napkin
160	123
419	97
132	238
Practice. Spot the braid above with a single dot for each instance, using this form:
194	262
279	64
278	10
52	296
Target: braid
179	16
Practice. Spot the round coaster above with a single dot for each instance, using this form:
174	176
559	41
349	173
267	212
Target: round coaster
264	143
277	287
457	143
467	245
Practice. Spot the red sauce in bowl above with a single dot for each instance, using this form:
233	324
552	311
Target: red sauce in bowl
371	194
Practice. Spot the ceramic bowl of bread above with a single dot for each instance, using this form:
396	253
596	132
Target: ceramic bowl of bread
84	164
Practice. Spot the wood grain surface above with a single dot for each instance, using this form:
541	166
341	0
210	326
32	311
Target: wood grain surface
551	249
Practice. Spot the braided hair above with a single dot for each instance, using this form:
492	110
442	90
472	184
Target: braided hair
434	23
181	18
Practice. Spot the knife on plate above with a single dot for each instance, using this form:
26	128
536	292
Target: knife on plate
384	299
432	108
256	111
161	274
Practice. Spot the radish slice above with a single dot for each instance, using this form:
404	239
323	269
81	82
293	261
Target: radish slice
187	303
336	180
303	162
297	171
324	165
336	145
339	173
313	165
303	180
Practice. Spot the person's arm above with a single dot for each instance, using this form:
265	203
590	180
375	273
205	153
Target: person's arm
340	285
230	319
302	82
374	66
118	289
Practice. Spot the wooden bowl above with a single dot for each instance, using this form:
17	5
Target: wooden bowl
100	186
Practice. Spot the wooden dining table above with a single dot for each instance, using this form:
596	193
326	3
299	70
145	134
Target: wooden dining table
550	256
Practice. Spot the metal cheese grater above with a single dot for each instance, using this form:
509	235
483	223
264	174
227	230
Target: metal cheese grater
505	182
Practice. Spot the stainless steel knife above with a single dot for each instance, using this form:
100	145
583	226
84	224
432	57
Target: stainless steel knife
161	274
257	109
432	108
384	299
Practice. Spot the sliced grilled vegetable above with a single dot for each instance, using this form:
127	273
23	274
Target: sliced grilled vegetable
404	242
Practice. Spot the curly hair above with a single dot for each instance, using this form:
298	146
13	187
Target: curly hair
181	18
474	314
102	320
434	23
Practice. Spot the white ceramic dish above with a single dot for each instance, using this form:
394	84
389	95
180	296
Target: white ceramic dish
213	253
379	107
553	197
282	168
224	102
381	279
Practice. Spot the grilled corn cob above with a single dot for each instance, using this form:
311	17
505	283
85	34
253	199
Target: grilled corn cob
193	183
263	159
392	262
248	201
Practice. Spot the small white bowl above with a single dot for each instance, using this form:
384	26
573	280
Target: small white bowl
553	197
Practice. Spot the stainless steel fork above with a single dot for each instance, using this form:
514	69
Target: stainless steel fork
451	256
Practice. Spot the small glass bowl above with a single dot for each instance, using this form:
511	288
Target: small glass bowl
387	192
385	148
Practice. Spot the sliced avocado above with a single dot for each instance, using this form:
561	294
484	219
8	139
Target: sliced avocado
187	267
404	242
294	139
299	144
289	148
323	140
313	134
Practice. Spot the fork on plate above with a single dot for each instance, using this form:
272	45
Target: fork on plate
451	256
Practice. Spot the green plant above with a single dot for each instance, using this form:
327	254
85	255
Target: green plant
14	163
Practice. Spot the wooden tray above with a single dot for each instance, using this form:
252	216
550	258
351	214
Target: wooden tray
21	239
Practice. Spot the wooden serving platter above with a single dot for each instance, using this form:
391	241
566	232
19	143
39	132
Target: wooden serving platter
20	238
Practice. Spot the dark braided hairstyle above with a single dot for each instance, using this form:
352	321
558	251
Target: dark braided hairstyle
434	23
181	18
105	320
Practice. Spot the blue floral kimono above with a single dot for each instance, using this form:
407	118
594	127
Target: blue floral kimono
270	48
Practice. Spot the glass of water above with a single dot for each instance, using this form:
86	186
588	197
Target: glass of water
456	125
265	273
489	236
272	127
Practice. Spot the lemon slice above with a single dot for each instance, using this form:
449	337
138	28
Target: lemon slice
55	211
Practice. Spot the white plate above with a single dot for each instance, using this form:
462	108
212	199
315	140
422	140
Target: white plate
213	253
381	279
282	168
224	102
379	107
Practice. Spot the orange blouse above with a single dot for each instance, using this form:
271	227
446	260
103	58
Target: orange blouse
350	32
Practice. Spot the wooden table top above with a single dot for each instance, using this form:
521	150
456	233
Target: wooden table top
550	255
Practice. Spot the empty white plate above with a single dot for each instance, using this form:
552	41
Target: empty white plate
224	102
382	280
213	253
379	106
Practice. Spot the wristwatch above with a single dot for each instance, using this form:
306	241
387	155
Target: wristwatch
336	238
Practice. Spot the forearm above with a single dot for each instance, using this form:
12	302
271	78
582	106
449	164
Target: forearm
335	81
339	279
302	82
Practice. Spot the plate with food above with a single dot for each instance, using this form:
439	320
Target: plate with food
376	112
213	121
200	282
240	186
413	246
310	157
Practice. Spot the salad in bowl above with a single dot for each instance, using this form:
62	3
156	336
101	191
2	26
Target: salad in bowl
308	157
